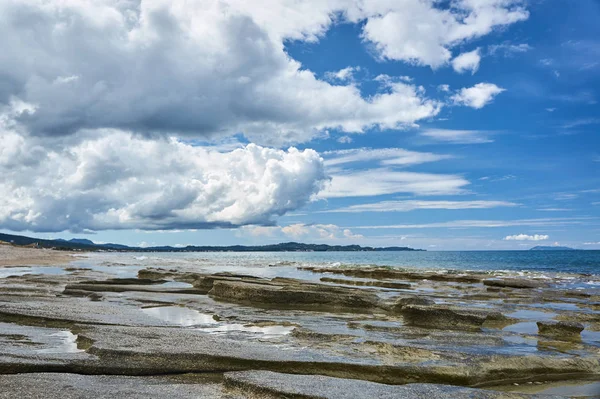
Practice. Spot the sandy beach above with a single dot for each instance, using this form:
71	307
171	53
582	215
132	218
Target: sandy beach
11	255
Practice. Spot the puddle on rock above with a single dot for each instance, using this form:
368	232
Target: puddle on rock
186	317
180	316
268	331
63	342
591	337
557	306
532	315
529	328
175	284
119	271
586	390
524	341
574	389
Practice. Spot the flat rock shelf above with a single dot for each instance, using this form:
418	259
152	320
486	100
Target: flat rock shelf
345	332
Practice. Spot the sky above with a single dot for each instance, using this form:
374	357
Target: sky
434	124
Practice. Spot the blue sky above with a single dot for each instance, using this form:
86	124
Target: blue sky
478	133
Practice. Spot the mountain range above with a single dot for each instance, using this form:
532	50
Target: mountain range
83	244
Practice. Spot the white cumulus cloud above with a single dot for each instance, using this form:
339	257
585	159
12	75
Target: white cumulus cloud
343	75
213	68
477	96
419	32
525	237
122	181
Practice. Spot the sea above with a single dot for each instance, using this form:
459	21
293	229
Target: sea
271	264
580	266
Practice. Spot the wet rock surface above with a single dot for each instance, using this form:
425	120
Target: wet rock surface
293	296
568	329
365	331
442	317
514	283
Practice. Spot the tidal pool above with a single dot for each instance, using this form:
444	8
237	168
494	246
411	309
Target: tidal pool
532	315
268	331
61	342
180	316
175	284
21	271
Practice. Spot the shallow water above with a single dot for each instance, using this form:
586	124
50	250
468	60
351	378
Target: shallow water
530	331
186	317
528	328
175	284
587	390
591	337
556	305
540	264
180	316
548	261
532	315
574	389
62	342
267	331
21	271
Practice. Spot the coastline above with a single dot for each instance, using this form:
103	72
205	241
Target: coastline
342	327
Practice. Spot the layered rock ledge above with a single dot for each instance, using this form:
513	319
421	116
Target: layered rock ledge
340	332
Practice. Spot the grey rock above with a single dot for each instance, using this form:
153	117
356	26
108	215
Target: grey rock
373	283
321	387
64	312
75	289
75	386
397	274
442	317
411	300
307	296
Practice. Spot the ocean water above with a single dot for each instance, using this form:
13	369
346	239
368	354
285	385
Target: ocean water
269	264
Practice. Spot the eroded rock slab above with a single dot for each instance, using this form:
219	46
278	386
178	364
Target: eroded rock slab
410	300
71	289
67	311
322	387
372	283
380	273
75	386
560	329
294	296
514	283
443	317
151	350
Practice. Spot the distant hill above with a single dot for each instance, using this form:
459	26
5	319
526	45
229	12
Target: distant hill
88	245
78	241
552	248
